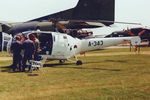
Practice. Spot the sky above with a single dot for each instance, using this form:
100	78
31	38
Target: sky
24	10
133	11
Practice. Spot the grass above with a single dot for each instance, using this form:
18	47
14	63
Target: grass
4	54
117	77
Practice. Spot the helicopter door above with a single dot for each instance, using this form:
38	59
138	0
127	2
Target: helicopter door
60	45
46	43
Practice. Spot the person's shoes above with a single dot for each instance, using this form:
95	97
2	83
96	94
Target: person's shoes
30	71
23	70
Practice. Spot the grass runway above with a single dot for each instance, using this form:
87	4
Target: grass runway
113	74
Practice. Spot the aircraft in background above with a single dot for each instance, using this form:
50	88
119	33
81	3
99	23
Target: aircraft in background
78	21
83	11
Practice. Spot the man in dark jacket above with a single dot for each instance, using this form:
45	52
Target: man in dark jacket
16	48
29	49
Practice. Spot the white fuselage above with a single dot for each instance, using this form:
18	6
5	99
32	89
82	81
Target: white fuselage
65	46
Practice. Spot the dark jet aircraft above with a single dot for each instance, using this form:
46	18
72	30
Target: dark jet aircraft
84	15
77	17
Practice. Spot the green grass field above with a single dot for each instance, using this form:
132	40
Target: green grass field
113	77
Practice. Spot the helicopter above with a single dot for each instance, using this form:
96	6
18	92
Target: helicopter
64	47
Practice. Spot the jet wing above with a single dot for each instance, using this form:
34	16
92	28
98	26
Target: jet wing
86	10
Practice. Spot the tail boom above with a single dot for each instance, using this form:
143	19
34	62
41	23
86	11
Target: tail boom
100	43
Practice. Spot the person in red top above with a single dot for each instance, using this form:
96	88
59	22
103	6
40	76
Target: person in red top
36	44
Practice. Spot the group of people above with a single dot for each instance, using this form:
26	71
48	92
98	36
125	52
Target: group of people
24	49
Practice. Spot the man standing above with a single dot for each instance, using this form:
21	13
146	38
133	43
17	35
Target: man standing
36	44
16	48
29	49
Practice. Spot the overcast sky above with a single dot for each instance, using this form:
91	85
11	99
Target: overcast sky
23	10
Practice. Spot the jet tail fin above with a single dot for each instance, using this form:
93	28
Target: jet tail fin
94	10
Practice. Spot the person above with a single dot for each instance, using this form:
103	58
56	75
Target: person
57	27
15	49
36	44
29	49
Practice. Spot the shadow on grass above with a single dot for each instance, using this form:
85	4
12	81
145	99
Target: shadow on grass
119	61
57	64
32	75
105	61
5	68
74	66
80	67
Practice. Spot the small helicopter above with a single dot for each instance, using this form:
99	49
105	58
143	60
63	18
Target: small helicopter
62	47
